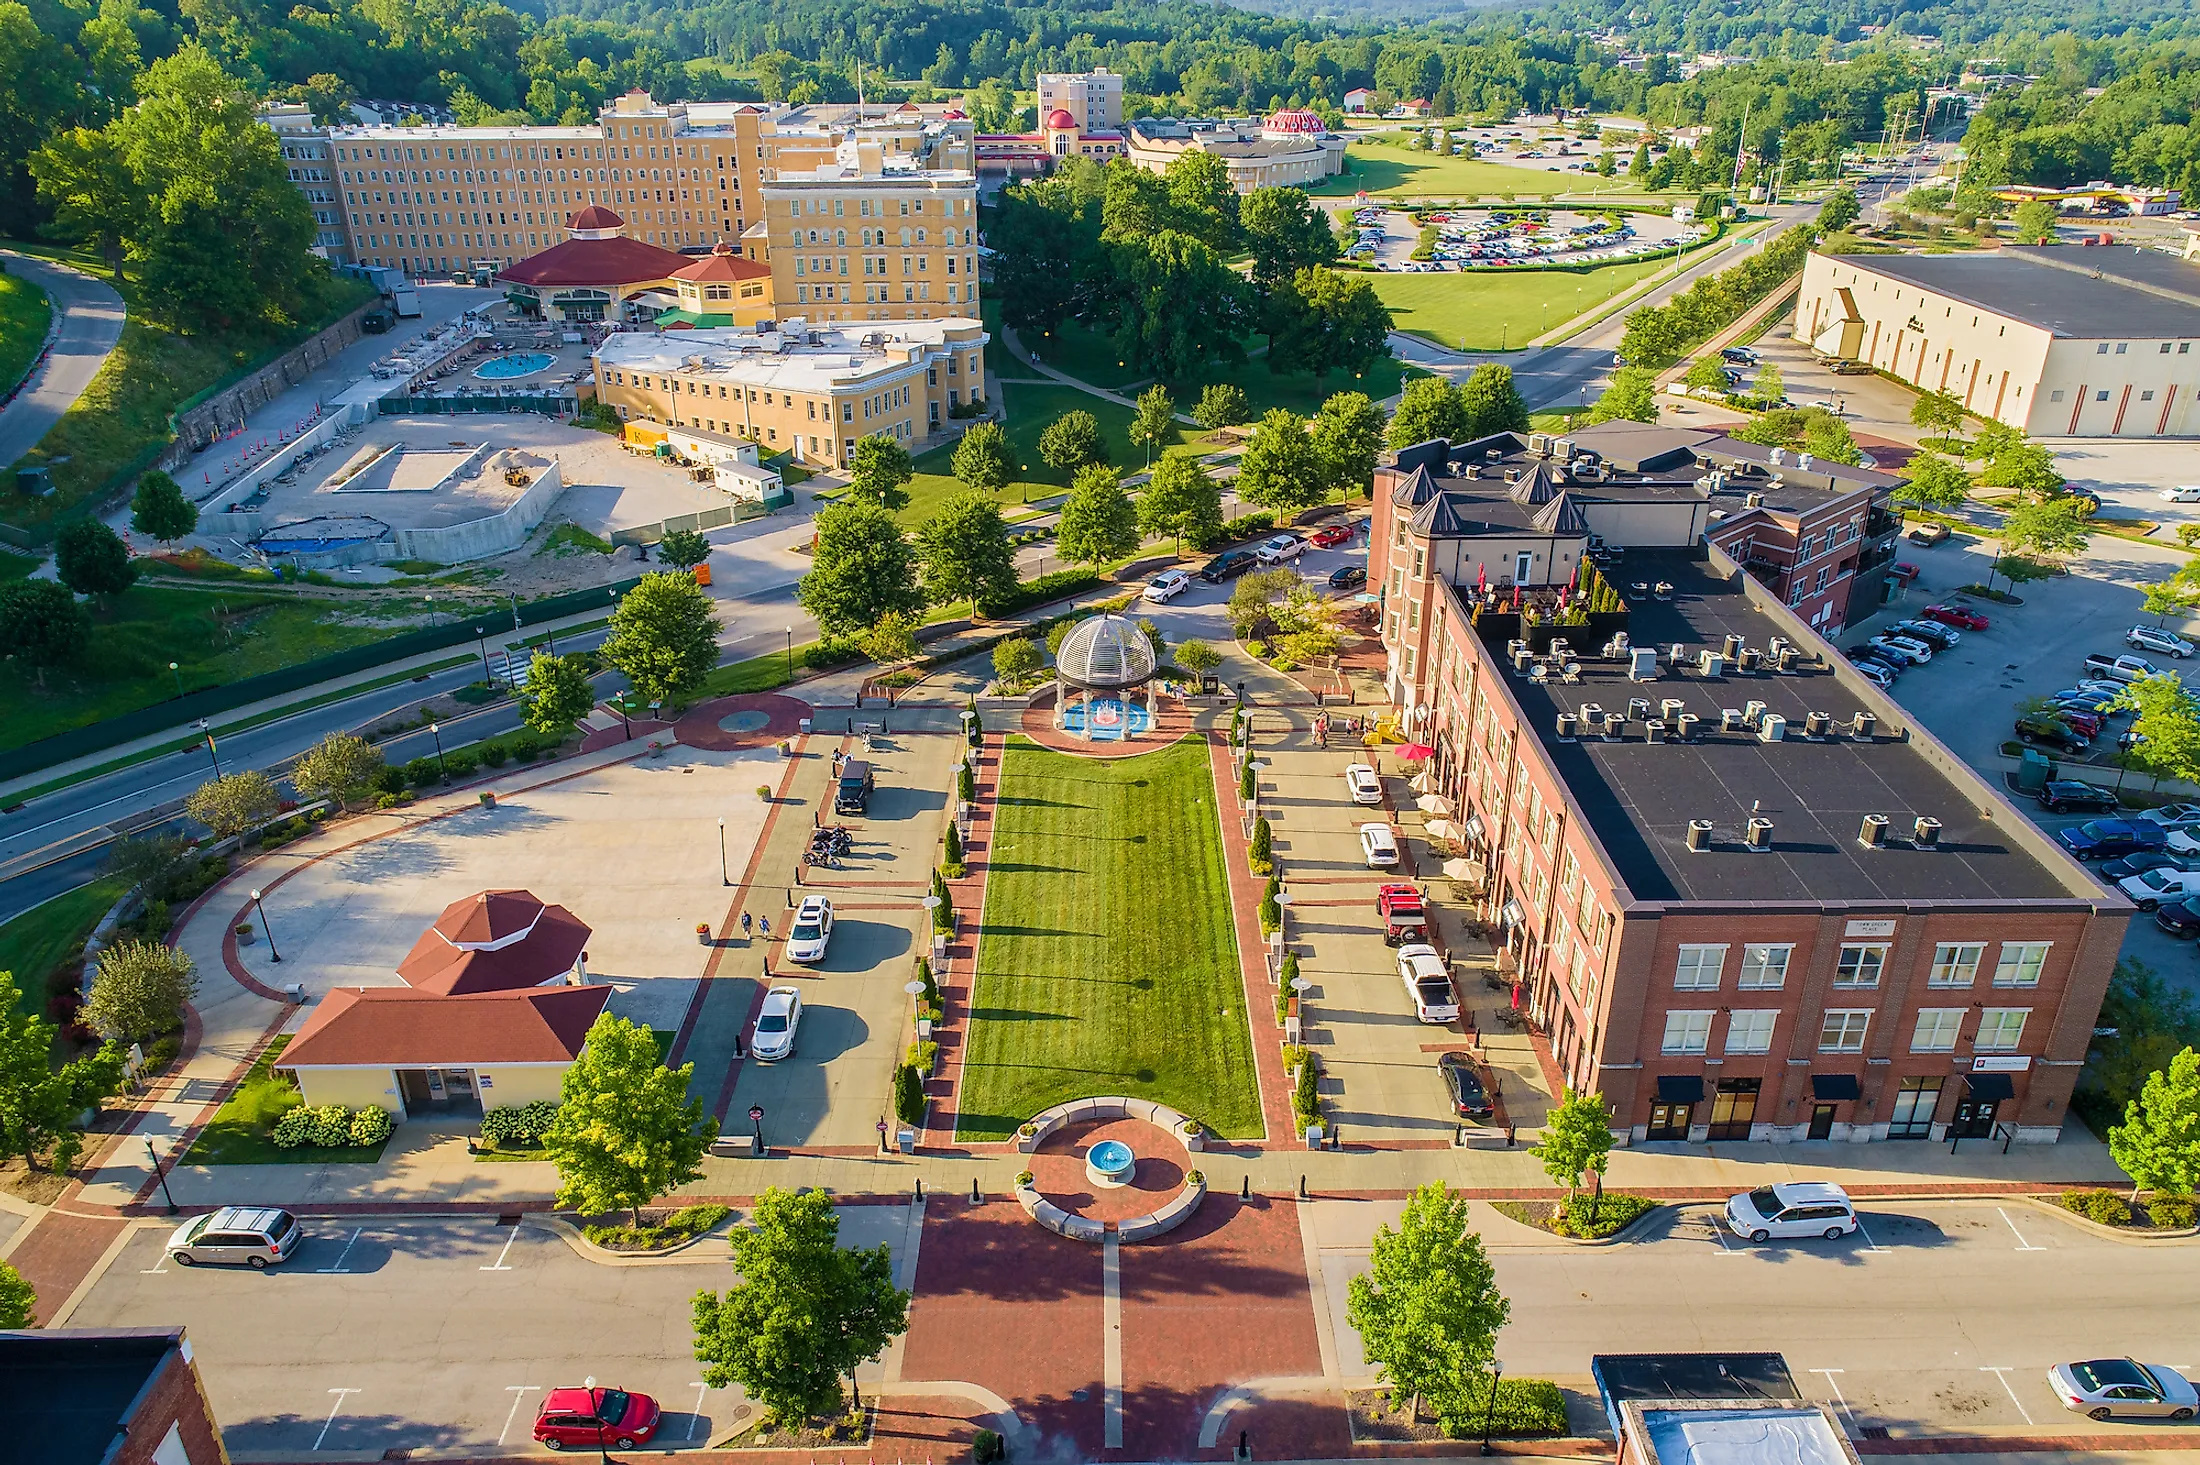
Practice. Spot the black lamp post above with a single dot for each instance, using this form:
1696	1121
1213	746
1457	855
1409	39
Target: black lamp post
154	1155
443	771
725	876
595	1410
481	640
1489	1415
178	675
756	1121
272	953
211	756
790	653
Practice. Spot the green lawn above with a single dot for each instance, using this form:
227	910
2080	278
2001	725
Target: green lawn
1381	167
215	637
238	1132
1107	961
1031	411
1485	310
24	316
35	942
1086	354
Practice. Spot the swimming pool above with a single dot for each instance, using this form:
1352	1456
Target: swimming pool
517	363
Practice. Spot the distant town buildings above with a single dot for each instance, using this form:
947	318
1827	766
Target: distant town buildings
1093	98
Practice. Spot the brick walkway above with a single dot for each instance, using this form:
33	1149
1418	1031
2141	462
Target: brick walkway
1260	993
957	977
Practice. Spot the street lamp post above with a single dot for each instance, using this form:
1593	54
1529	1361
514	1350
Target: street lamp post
595	1409
166	1195
211	756
725	877
172	671
258	905
435	730
481	640
790	653
1489	1415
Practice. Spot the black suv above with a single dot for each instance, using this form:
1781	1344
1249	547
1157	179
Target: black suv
1228	565
2062	796
2180	918
2052	731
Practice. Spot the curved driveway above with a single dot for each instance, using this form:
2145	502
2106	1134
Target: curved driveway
91	317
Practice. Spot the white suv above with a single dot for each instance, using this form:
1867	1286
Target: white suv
1802	1208
2153	638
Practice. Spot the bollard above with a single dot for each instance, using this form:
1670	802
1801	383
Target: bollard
1245	1187
975	1198
920	1188
1302	1188
1458	1136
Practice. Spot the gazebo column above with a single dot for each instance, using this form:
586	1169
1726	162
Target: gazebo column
1086	731
1061	704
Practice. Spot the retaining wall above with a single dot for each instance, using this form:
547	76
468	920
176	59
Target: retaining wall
205	423
497	534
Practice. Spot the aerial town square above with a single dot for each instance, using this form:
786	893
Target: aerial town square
1000	732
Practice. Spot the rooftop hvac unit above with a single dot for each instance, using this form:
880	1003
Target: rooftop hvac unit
1730	719
1772	729
1749	660
1539	443
1515	644
1679	653
1638	709
1563	449
1471	470
1803	460
1642	664
1816	723
1685	726
1777	644
1670	708
1759	836
1788	656
1561	647
1711	664
1521	657
1777	457
1867	726
1755	500
1699	835
1925	834
1753	712
1620	643
1492	455
1732	646
1874	833
1592	716
1615	725
1653	730
1567	727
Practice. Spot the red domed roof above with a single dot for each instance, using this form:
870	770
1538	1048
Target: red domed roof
1292	121
596	216
1060	118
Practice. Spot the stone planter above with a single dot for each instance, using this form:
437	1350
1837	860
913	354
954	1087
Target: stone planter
1193	1137
1314	1133
702	935
488	799
244	934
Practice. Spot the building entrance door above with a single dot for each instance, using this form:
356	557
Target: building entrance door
1913	1109
1974	1119
1821	1121
1734	1108
1670	1121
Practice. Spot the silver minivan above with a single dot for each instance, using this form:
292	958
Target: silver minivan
1803	1208
252	1236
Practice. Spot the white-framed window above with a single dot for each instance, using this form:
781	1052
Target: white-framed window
1843	1030
1937	1028
1750	1032
1698	968
2000	1029
1764	967
1860	966
1955	963
1687	1032
2020	963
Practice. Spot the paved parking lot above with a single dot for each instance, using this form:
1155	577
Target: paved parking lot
435	1334
1939	1317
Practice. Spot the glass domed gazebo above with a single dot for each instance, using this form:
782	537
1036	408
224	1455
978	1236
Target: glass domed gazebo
1101	665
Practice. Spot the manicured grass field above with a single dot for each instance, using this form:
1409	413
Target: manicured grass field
1031	411
238	1132
1107	963
1087	355
1380	167
34	943
1487	310
24	316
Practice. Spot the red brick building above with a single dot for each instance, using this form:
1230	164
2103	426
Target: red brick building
118	1396
1744	894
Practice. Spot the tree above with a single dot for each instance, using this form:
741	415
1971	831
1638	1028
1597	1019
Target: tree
1155	423
340	767
2053	527
41	625
877	469
862	568
18	1299
1321	321
2015	462
1934	482
1285	233
1201	201
2165	724
140	991
558	693
233	802
663	636
626	1130
1182	502
1428	1309
39	1103
981	460
1633	396
965	549
1071	441
91	559
1940	412
158	510
1840	210
1707	374
2165	598
893	639
803	1313
1492	402
2035	222
683	549
1221	404
1017	660
1577	1141
1771	386
2158	1144
1348	434
1099	521
1178	307
1429	408
1197	657
149	863
1281	467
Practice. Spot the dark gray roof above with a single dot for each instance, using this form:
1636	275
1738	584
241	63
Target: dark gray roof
80	1385
1624	1376
1638	796
1417	488
1562	516
2063	294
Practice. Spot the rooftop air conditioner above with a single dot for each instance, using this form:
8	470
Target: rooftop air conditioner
1874	833
1867	727
1699	835
1772	729
1759	836
1642	664
1926	832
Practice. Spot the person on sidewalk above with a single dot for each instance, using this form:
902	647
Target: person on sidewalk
748	922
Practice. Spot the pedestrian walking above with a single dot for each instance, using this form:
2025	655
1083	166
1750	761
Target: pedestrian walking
748	923
766	923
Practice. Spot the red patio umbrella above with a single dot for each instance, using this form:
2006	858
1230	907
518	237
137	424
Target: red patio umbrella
1415	752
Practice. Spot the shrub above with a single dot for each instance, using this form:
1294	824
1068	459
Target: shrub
370	1126
1523	1407
391	801
164	1050
420	772
908	1095
1260	855
462	764
2172	1212
1284	994
494	754
1306	1101
389	780
330	1126
924	1056
2102	1207
952	864
987	1448
519	1125
695	1220
1617	1209
830	652
293	1129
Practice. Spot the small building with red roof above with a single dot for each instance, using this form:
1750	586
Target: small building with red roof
1060	136
497	941
592	274
723	288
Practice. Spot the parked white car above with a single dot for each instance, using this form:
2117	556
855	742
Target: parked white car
1428	984
773	1038
2173	816
2154	638
1379	846
2159	886
1914	649
1166	586
1802	1208
1282	548
812	931
2183	493
1365	784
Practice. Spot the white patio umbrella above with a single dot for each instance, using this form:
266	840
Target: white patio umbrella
1434	804
1442	829
1467	872
1422	782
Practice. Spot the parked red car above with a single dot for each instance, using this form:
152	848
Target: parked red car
1960	616
1329	536
592	1418
1404	917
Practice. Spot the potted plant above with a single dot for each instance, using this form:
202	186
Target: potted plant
1027	1138
244	933
488	799
786	748
1025	1180
702	934
1194	1135
1196	1179
763	793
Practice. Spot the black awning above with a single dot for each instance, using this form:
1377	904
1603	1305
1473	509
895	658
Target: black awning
1831	1088
1680	1088
1990	1087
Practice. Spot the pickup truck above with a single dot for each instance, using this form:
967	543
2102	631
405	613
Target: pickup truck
2119	668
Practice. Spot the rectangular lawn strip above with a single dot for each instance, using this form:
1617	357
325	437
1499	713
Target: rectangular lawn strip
238	1134
35	942
1375	167
24	316
1487	309
1107	961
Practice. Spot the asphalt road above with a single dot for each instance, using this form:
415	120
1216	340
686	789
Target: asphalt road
92	316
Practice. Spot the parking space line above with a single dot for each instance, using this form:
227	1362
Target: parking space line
519	1392
1834	1383
1869	1244
695	1420
340	1395
500	1266
340	1256
2003	1374
2022	1244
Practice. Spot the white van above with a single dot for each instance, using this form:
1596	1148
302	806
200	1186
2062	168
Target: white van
1806	1208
